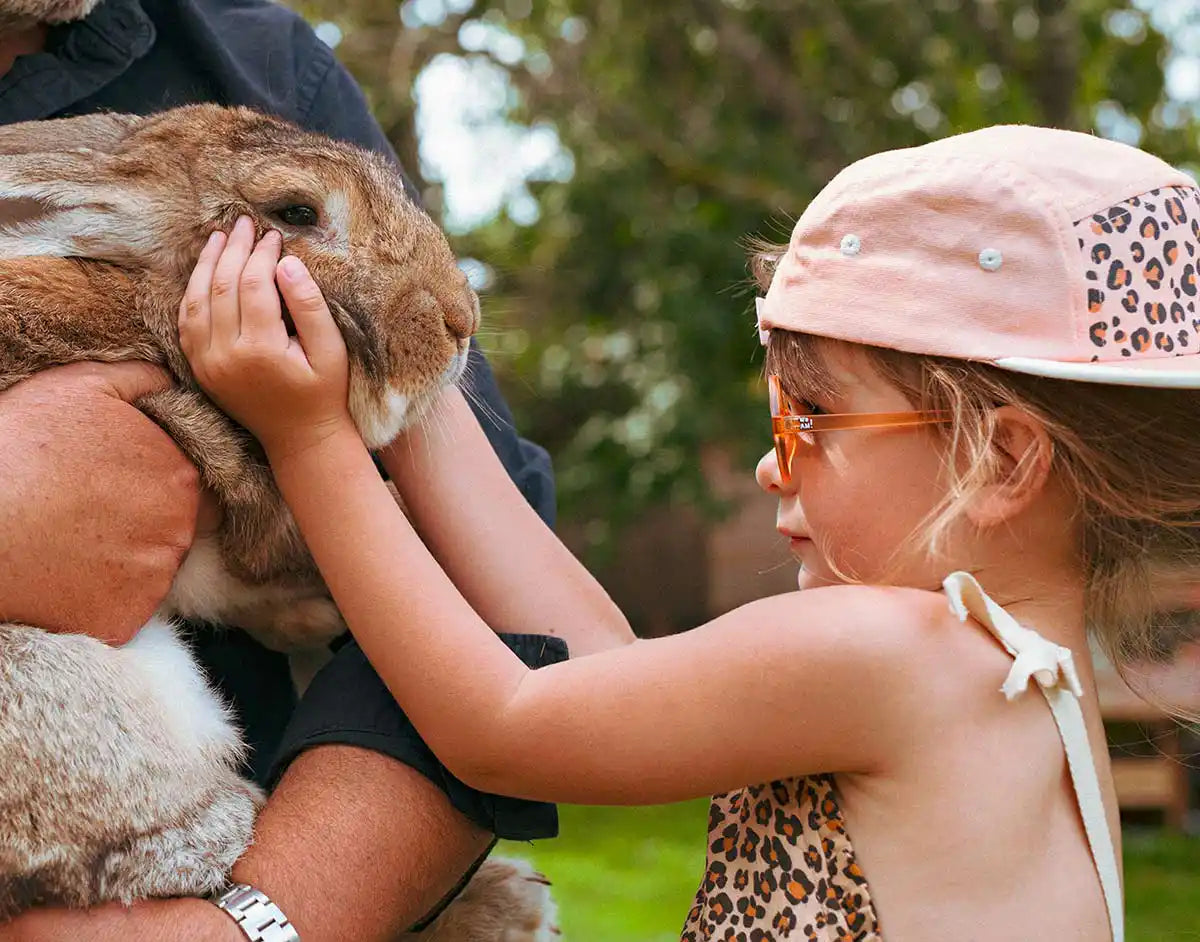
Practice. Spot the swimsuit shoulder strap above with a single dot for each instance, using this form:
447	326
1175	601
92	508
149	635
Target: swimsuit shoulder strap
1053	667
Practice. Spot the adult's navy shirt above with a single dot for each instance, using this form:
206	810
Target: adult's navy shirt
144	56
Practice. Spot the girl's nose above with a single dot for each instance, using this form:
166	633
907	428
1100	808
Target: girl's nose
767	473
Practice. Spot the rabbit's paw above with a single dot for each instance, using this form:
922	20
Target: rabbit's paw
505	901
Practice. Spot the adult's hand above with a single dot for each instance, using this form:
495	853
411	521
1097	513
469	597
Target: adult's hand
97	504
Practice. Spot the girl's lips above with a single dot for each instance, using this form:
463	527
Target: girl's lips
793	537
796	542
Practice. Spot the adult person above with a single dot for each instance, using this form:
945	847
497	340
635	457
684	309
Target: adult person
364	831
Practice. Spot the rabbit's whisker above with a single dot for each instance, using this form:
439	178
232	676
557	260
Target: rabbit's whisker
484	406
443	428
472	396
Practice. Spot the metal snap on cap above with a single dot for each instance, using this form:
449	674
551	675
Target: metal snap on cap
851	244
990	259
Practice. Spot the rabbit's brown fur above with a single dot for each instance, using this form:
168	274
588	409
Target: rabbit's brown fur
120	766
117	209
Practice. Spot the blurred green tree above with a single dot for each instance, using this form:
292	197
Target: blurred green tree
625	334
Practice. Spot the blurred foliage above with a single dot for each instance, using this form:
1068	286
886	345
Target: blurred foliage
622	315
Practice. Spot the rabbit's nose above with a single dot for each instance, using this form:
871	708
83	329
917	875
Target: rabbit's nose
462	315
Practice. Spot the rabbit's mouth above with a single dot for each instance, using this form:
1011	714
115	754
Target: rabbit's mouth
379	418
456	370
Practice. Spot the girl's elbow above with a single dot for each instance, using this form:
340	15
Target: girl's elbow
493	763
476	759
622	634
491	774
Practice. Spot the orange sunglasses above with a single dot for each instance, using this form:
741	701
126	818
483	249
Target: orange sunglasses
792	425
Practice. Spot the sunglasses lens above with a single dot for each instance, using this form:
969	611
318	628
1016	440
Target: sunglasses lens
785	451
785	443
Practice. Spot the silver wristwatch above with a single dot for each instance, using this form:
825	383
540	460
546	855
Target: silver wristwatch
258	917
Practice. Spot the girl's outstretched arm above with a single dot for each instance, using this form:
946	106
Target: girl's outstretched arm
500	554
816	681
783	686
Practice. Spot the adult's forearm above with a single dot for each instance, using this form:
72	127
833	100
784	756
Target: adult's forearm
503	558
356	845
152	921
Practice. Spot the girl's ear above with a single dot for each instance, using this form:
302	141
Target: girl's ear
58	195
1024	453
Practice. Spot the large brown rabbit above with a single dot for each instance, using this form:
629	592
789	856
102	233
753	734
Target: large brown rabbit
119	765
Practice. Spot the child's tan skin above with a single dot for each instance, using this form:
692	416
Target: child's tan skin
958	802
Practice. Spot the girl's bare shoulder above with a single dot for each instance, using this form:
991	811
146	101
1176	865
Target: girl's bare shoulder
891	633
885	614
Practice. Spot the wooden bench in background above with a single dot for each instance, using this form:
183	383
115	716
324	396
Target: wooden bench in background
1151	767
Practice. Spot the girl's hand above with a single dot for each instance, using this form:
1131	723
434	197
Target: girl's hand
291	392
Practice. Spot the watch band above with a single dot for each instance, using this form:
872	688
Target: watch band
255	914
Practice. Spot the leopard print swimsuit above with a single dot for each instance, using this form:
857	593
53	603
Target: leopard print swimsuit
780	866
780	862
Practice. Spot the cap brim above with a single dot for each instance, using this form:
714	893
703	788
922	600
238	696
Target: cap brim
1181	372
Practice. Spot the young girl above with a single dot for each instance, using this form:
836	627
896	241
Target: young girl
982	362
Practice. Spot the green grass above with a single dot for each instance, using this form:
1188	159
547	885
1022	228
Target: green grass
629	874
1162	887
623	874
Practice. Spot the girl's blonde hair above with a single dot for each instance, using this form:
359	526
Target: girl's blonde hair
1129	455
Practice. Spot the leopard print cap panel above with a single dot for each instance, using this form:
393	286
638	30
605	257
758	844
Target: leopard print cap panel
1140	262
781	867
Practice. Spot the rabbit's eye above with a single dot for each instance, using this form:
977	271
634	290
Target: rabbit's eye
298	215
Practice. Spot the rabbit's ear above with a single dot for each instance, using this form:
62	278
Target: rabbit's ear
58	196
102	132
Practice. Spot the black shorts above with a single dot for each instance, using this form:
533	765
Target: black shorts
347	703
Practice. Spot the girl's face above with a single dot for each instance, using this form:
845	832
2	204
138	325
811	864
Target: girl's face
856	496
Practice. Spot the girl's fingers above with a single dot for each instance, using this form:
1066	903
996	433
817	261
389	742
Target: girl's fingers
261	316
226	317
195	323
318	334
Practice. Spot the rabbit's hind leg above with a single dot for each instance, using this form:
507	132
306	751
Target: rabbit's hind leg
192	854
119	771
505	901
205	811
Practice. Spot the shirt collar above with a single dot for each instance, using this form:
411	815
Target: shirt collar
79	59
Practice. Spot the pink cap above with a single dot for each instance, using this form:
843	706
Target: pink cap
1042	251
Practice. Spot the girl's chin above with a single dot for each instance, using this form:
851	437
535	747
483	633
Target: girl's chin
806	579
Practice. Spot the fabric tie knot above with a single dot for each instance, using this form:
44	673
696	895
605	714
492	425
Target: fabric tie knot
1044	660
1033	656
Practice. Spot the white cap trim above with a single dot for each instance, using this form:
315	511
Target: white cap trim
1146	374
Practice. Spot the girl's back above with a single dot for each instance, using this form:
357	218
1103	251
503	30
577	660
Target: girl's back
974	832
990	844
